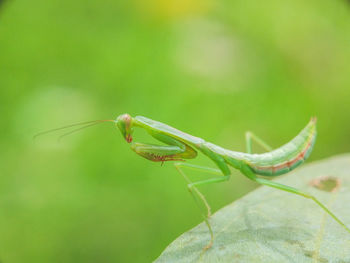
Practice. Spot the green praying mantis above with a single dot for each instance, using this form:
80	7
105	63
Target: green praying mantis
178	146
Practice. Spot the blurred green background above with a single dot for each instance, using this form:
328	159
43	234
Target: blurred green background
211	68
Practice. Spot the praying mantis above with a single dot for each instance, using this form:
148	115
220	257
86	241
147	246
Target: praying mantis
178	146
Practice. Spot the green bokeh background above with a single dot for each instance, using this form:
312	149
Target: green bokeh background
211	68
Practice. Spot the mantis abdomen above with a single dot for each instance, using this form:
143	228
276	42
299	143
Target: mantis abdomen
287	157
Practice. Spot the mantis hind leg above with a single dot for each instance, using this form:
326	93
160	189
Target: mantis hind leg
247	172
250	137
192	187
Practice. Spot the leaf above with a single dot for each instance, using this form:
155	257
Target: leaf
270	225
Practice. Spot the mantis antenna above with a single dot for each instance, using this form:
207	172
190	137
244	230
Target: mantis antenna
85	124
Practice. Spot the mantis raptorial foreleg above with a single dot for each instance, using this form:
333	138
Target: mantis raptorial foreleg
158	153
247	172
192	187
249	137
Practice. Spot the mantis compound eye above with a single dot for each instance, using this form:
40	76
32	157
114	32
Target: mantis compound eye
124	123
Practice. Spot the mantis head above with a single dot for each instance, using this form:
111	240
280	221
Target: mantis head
124	123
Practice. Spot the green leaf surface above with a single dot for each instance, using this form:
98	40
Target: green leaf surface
269	225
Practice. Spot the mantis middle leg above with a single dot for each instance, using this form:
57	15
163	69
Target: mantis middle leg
192	187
